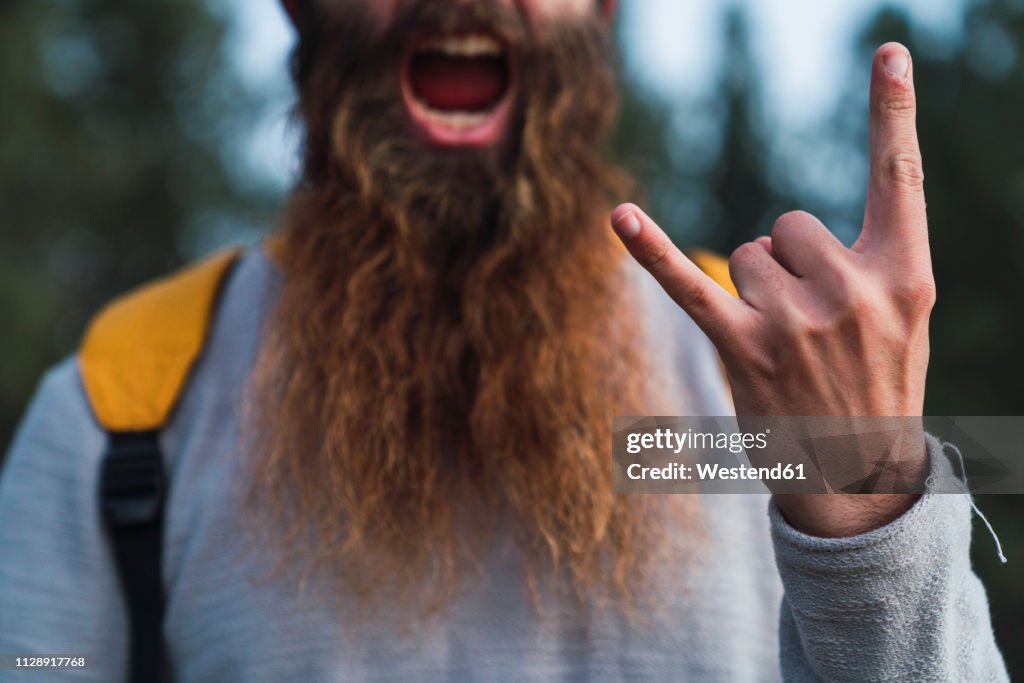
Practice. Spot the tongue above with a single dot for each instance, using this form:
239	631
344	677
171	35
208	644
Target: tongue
452	83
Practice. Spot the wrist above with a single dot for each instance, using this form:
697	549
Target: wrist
838	515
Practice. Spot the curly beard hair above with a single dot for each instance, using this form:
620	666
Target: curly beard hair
452	338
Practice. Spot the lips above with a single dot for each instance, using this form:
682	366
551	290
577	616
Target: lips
459	88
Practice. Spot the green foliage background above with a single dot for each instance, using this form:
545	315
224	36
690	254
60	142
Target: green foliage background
119	159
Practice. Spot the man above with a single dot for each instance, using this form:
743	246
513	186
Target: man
391	461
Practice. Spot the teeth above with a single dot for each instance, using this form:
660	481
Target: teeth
470	45
455	120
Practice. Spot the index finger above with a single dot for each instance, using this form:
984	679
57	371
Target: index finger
714	310
895	211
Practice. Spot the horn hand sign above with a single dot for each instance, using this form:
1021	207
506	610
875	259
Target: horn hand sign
819	328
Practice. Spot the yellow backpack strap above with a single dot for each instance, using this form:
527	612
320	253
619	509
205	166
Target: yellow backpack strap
138	351
714	266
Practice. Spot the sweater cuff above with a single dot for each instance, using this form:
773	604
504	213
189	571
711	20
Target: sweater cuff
834	575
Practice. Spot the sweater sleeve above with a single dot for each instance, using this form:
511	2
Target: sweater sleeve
899	603
59	592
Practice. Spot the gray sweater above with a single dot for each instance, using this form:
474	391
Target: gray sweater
760	602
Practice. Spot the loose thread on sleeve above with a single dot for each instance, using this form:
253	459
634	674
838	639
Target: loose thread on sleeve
974	506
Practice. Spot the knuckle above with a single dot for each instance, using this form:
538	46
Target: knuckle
795	324
917	295
852	289
791	224
744	255
694	296
655	255
797	215
859	304
904	169
897	105
857	300
782	230
784	222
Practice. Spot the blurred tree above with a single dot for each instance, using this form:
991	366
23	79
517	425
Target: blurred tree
115	120
746	201
708	166
970	107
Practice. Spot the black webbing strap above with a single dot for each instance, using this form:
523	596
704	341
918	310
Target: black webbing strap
132	497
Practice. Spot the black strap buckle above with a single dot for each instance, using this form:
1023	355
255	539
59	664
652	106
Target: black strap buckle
132	479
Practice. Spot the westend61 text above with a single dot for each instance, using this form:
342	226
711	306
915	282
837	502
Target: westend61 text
711	472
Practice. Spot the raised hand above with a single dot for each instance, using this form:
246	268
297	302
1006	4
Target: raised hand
820	329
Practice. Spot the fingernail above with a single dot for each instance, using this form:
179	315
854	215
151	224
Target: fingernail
897	62
627	224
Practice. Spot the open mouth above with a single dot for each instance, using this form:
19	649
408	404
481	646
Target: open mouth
459	88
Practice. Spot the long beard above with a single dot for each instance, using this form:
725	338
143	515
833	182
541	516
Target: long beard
451	342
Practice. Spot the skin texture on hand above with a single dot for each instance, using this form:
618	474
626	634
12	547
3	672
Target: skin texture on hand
821	329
